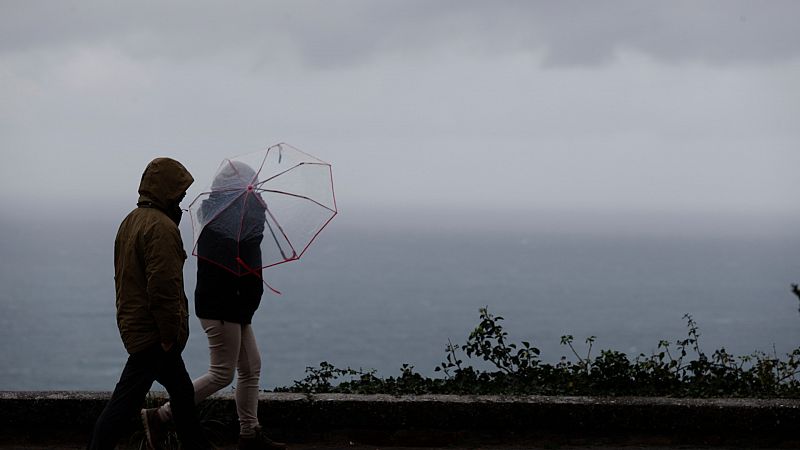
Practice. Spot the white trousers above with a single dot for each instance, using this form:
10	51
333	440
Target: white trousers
232	348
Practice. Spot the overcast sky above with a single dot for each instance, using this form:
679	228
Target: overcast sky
640	106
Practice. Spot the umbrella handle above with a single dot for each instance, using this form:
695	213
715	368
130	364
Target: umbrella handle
255	272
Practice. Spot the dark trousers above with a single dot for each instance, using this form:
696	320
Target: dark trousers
142	368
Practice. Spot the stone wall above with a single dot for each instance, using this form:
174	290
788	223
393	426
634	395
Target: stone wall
444	419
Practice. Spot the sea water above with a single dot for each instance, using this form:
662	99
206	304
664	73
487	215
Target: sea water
376	297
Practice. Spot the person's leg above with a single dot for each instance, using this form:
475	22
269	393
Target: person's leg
249	368
224	340
251	437
173	376
130	392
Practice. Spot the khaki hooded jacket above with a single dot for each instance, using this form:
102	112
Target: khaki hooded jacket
148	262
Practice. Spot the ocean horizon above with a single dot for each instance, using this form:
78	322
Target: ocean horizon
378	294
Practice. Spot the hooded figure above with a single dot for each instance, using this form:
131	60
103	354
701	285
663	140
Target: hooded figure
151	302
152	309
229	285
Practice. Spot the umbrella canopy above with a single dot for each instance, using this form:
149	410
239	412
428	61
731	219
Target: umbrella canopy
262	209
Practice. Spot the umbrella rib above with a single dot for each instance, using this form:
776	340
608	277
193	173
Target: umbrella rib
290	169
274	237
239	233
261	167
271	231
297	196
317	233
279	174
300	151
333	192
283	233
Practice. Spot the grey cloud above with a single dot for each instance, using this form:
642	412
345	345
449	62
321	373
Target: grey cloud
341	33
442	90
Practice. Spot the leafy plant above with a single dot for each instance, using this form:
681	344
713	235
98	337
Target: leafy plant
679	370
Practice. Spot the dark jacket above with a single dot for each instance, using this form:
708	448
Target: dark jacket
229	284
148	262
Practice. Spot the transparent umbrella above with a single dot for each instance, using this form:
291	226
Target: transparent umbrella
262	209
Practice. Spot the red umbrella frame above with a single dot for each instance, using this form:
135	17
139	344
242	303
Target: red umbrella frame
263	209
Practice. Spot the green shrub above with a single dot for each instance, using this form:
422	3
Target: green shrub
680	371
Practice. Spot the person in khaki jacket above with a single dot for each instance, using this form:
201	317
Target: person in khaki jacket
152	309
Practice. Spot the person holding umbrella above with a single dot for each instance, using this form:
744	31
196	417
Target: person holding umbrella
228	292
152	310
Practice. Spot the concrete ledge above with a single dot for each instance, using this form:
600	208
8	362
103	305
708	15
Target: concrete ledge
447	419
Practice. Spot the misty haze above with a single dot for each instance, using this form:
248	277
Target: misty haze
580	168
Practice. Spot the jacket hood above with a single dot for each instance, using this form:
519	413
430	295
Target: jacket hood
234	175
164	182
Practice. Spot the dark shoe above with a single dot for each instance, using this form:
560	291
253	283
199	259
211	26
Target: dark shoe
259	441
154	429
